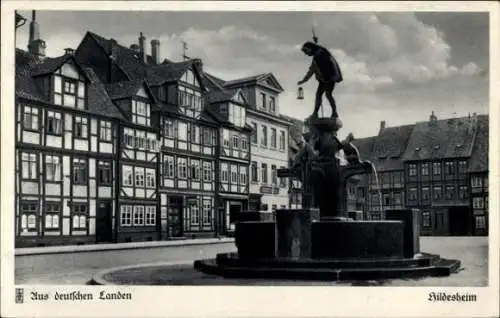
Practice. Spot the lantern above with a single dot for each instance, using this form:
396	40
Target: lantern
300	93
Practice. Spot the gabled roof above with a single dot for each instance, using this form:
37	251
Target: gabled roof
126	89
478	161
267	78
50	65
389	147
365	147
449	138
26	86
213	82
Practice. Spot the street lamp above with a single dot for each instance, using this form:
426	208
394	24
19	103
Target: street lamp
300	93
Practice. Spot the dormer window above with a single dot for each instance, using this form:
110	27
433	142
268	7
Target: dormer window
190	102
141	112
237	115
69	87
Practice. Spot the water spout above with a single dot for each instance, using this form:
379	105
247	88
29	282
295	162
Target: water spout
378	190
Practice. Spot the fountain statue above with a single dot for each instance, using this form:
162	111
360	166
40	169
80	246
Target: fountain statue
318	240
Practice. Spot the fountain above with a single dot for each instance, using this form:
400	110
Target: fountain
319	241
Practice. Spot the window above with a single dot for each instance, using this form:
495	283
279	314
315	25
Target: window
150	178
234	174
436	168
264	172
79	171
413	194
182	129
450	192
52	168
30	119
274	175
243	175
207	136
162	93
207	171
106	132
274	207
195	169
236	143
28	214
476	182
207	211
141	112
195	214
282	140
138	215
273	138
263	101
396	178
69	92
254	172
450	168
54	123
126	215
224	172
128	137
169	128
128	177
398	198
169	167
426	219
462	166
237	115
437	193
182	166
139	177
244	143
425	194
29	166
194	134
254	133
81	127
263	137
265	207
225	137
52	213
140	139
79	216
150	215
425	169
104	172
462	192
190	101
413	170
478	203
272	104
480	222
282	180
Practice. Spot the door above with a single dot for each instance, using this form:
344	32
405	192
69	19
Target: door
104	228
174	215
441	223
234	210
460	221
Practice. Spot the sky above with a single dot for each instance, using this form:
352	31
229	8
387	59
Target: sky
397	66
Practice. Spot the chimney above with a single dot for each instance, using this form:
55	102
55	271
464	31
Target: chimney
432	118
382	125
69	51
35	45
199	65
142	47
155	51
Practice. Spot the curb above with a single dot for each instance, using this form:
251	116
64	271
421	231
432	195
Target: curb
115	246
98	278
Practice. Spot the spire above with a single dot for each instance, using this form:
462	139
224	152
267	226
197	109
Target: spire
36	46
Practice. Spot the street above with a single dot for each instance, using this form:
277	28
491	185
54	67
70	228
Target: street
78	268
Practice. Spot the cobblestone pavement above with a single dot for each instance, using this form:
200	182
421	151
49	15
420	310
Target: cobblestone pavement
78	268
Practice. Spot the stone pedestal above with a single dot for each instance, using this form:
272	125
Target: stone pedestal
255	239
357	239
411	220
293	232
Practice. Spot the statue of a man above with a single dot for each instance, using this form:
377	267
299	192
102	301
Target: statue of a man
327	72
